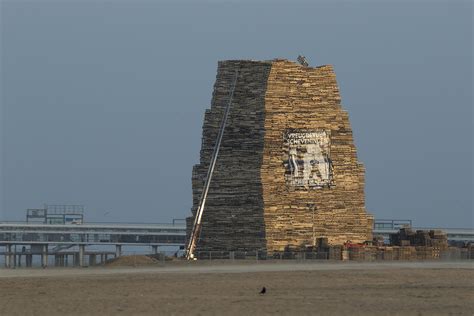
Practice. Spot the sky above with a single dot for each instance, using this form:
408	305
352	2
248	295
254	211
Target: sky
102	102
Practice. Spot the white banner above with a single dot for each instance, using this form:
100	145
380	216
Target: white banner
308	164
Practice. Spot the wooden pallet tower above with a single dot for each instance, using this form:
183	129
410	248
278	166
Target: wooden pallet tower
286	172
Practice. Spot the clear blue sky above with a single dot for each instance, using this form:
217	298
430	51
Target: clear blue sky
102	102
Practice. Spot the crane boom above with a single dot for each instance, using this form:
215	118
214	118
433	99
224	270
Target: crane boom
202	201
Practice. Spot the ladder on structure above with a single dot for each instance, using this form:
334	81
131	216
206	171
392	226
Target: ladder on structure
195	233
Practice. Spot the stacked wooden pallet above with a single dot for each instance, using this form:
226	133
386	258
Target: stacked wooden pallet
439	239
233	215
384	253
255	201
421	238
388	254
304	100
335	252
426	253
363	253
404	253
466	253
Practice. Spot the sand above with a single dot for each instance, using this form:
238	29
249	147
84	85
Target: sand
233	289
131	261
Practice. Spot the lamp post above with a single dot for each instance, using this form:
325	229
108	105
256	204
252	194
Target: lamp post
312	206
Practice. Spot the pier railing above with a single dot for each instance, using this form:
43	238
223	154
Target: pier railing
92	233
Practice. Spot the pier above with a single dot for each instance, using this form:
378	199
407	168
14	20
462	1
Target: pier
44	240
68	243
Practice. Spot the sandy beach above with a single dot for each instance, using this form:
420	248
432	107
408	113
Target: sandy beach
410	288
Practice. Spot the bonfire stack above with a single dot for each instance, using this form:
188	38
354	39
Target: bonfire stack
266	193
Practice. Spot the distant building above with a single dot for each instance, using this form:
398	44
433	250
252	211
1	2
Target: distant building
56	214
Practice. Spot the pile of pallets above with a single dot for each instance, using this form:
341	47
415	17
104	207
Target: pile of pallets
251	204
384	253
335	252
438	239
363	253
422	238
233	214
404	253
304	99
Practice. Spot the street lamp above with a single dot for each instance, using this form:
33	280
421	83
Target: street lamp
312	207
